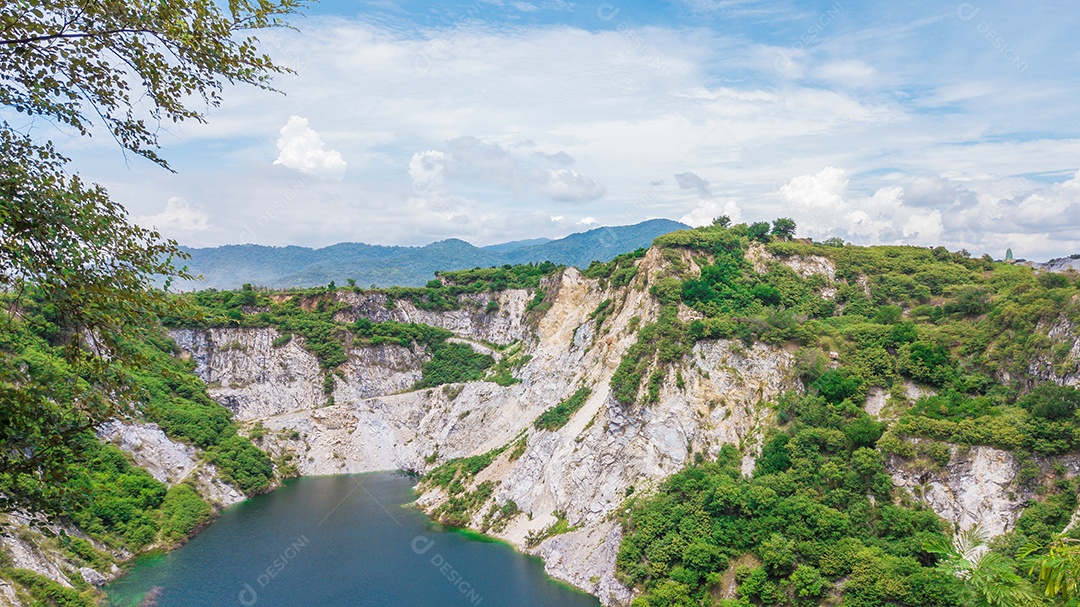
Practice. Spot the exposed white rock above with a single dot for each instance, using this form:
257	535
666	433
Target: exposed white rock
92	576
1068	374
586	559
977	487
584	469
503	326
166	460
169	461
255	380
29	555
876	399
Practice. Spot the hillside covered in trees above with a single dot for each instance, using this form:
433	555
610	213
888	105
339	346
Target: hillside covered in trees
229	267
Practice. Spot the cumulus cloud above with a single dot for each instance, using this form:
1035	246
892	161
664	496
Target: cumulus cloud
426	171
691	181
178	216
301	148
588	221
708	210
569	186
980	213
822	191
468	161
560	158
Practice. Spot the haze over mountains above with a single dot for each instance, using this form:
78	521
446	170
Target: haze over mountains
229	267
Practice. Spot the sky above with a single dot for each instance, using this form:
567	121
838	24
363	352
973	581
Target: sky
407	122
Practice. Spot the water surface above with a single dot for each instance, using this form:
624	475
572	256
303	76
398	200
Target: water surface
339	541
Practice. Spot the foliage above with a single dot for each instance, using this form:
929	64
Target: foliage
989	578
45	591
807	514
560	526
182	513
67	249
1057	565
659	343
122	497
454	474
618	272
557	416
454	363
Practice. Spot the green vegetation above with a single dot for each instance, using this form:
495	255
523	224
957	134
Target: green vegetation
560	526
78	476
557	416
442	294
819	502
819	523
454	363
456	473
183	512
67	249
314	315
512	361
45	592
618	272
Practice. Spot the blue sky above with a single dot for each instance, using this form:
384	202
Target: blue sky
493	120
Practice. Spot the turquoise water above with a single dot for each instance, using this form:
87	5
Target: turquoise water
338	541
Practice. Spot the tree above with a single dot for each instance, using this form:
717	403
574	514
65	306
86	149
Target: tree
722	221
1058	567
783	228
988	577
69	257
758	231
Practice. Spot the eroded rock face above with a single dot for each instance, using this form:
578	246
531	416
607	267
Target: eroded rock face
169	461
255	380
585	469
503	326
977	487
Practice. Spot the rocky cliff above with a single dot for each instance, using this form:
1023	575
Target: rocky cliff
579	473
556	491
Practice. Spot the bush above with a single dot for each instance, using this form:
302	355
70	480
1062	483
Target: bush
182	513
453	363
557	416
837	386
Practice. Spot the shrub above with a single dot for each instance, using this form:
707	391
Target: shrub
557	416
182	513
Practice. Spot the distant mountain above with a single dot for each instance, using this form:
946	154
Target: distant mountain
230	266
517	244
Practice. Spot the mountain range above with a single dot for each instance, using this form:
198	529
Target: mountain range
230	266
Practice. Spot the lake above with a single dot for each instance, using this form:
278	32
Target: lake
338	541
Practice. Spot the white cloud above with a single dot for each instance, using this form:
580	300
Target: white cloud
178	216
565	185
493	113
426	171
985	212
822	191
468	161
301	148
588	221
708	210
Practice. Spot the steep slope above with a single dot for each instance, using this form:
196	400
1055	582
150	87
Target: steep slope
557	489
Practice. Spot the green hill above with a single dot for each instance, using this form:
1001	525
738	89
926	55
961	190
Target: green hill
229	267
